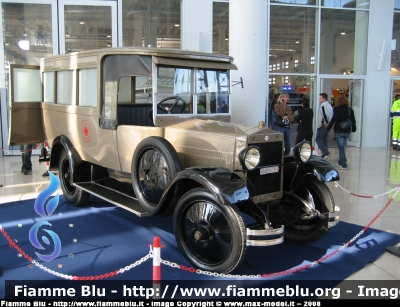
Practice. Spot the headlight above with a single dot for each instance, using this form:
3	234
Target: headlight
303	151
250	157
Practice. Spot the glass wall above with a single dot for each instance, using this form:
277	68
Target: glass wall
362	4
343	37
297	2
308	39
292	53
87	27
395	58
221	27
151	23
292	39
27	33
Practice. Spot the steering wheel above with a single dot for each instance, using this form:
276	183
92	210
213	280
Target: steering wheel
169	110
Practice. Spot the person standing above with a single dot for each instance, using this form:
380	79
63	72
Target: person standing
305	119
324	116
283	118
341	112
26	154
395	115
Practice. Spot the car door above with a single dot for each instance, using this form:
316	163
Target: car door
26	124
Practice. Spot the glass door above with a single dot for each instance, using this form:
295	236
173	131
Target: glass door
395	91
86	25
353	89
356	99
27	35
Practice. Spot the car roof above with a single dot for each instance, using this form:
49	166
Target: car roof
151	51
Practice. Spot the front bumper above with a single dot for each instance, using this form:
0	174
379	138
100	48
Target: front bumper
264	237
333	218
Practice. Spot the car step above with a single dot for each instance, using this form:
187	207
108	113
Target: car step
264	237
113	196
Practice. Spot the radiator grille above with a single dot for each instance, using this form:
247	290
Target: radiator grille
271	154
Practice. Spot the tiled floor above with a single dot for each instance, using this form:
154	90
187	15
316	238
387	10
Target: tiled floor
372	172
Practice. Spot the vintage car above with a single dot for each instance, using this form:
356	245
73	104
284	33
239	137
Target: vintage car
149	130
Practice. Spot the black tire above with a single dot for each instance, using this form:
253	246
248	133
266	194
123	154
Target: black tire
309	231
210	235
73	195
155	162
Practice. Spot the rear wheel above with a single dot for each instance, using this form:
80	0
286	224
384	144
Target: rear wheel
307	231
73	195
211	236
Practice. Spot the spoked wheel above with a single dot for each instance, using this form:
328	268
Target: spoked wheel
211	236
73	195
154	164
307	231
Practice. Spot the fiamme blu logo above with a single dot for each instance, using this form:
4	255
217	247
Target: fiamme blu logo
45	205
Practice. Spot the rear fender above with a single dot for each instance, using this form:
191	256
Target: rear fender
63	143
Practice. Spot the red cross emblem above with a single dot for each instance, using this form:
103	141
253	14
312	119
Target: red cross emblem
86	131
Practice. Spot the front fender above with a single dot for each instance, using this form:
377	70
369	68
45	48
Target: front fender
226	186
317	166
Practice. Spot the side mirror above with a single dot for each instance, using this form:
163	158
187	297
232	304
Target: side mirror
238	82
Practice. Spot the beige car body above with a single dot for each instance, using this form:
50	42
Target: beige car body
199	139
150	130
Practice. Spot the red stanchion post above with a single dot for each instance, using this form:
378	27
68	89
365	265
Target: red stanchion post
156	267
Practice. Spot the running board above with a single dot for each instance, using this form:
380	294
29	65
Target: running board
115	197
264	237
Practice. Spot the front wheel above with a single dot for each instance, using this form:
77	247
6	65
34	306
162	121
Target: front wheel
210	235
308	231
73	195
155	162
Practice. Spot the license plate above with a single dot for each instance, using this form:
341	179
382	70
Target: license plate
269	170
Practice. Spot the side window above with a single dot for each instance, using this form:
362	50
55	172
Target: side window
65	88
48	87
143	89
136	87
110	100
213	91
87	93
125	90
26	85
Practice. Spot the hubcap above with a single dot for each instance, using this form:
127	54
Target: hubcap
152	175
207	233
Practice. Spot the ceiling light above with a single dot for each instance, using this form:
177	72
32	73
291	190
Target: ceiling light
24	44
108	35
297	41
226	39
108	44
67	35
82	22
7	44
176	25
343	33
24	34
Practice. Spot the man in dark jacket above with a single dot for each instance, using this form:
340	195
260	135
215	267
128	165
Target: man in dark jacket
305	119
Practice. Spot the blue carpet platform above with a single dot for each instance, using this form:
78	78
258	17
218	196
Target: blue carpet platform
100	238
